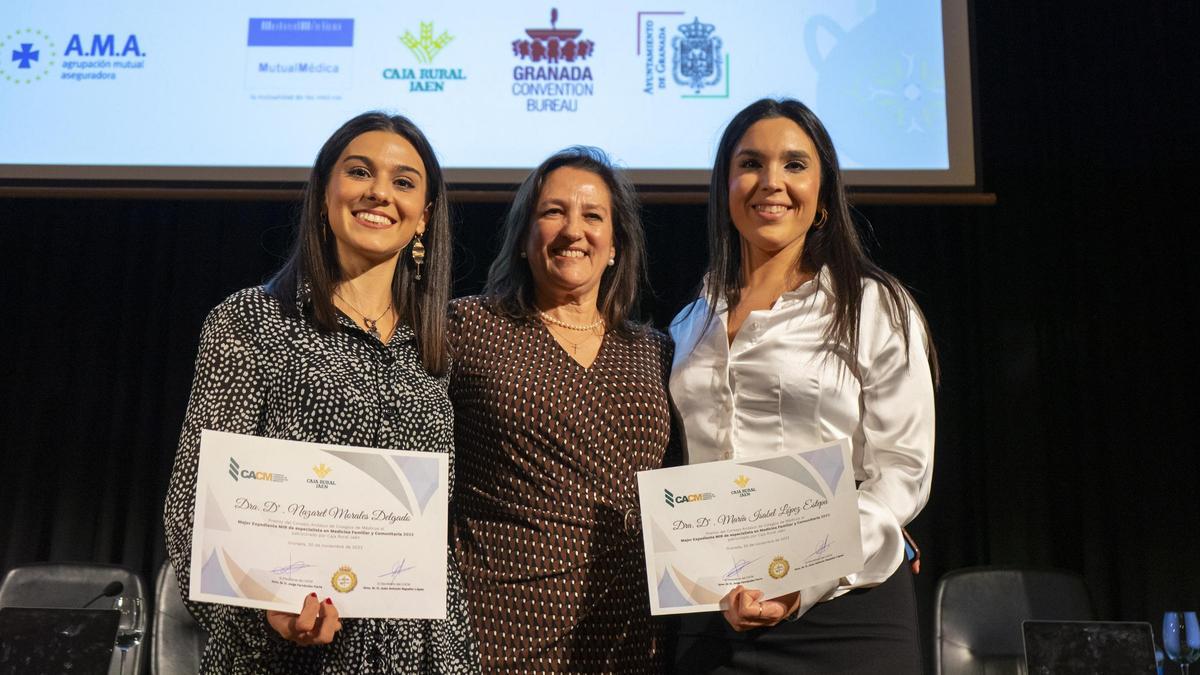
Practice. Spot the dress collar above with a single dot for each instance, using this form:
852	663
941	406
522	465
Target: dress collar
822	280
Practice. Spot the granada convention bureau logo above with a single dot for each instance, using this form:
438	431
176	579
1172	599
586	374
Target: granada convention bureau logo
551	74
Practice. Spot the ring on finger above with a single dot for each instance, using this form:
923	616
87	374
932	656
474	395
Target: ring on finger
760	610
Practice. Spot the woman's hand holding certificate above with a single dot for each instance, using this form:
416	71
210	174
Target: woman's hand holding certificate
277	521
774	524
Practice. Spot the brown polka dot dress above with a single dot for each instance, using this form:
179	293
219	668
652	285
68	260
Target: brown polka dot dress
548	533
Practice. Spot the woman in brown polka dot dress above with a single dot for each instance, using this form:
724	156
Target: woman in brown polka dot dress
559	399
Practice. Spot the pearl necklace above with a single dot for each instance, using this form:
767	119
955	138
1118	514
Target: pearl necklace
572	326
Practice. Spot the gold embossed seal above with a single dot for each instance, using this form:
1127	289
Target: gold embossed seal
344	580
778	568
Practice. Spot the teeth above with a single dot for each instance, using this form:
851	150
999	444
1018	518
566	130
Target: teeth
374	218
570	253
771	208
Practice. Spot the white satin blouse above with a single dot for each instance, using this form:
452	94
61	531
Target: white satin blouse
779	387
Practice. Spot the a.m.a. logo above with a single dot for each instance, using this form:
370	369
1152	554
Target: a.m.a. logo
673	499
26	55
103	45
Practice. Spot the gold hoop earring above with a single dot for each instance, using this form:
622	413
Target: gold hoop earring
824	218
418	254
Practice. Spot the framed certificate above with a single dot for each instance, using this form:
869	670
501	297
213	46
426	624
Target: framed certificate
276	520
775	524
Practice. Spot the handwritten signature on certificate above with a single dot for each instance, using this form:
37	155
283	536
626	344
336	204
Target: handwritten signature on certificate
397	569
821	549
291	568
738	566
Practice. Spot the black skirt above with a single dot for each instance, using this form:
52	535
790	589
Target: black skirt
870	630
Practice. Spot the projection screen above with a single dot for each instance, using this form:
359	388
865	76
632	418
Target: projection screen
246	92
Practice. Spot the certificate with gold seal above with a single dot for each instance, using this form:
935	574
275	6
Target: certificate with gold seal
777	524
276	520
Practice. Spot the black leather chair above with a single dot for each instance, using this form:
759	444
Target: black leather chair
178	640
978	613
73	585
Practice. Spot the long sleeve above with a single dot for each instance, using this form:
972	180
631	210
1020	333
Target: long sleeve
898	434
228	394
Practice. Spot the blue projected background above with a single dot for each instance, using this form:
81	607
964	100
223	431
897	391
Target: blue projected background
238	91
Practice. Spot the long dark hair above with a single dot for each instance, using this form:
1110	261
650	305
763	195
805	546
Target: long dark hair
835	245
420	304
510	283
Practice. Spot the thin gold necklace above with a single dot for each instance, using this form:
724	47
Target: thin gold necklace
574	345
371	324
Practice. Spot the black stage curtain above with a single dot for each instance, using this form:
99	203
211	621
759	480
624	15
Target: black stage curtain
1061	316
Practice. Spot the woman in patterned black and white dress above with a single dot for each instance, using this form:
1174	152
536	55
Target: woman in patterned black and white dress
345	345
559	399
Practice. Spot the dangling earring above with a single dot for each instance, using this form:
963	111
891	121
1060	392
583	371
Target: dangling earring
418	254
824	217
324	228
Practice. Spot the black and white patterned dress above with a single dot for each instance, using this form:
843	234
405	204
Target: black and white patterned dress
548	531
260	372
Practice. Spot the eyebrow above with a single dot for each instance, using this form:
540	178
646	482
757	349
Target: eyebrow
399	168
789	155
598	206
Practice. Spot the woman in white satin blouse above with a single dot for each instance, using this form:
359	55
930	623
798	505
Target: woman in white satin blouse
798	339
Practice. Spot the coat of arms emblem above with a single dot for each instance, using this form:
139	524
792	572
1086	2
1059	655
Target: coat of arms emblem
697	55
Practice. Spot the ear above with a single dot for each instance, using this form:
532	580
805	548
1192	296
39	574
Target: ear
424	219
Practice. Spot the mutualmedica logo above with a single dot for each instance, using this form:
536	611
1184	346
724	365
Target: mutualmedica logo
303	33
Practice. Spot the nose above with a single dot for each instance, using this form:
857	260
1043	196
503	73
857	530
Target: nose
572	225
380	190
771	178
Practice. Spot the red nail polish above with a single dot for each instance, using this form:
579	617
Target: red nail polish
328	601
312	595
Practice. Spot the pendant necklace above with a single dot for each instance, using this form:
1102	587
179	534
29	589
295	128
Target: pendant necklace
371	324
574	345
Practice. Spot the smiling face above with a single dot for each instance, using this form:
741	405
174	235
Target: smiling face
774	187
375	200
571	238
